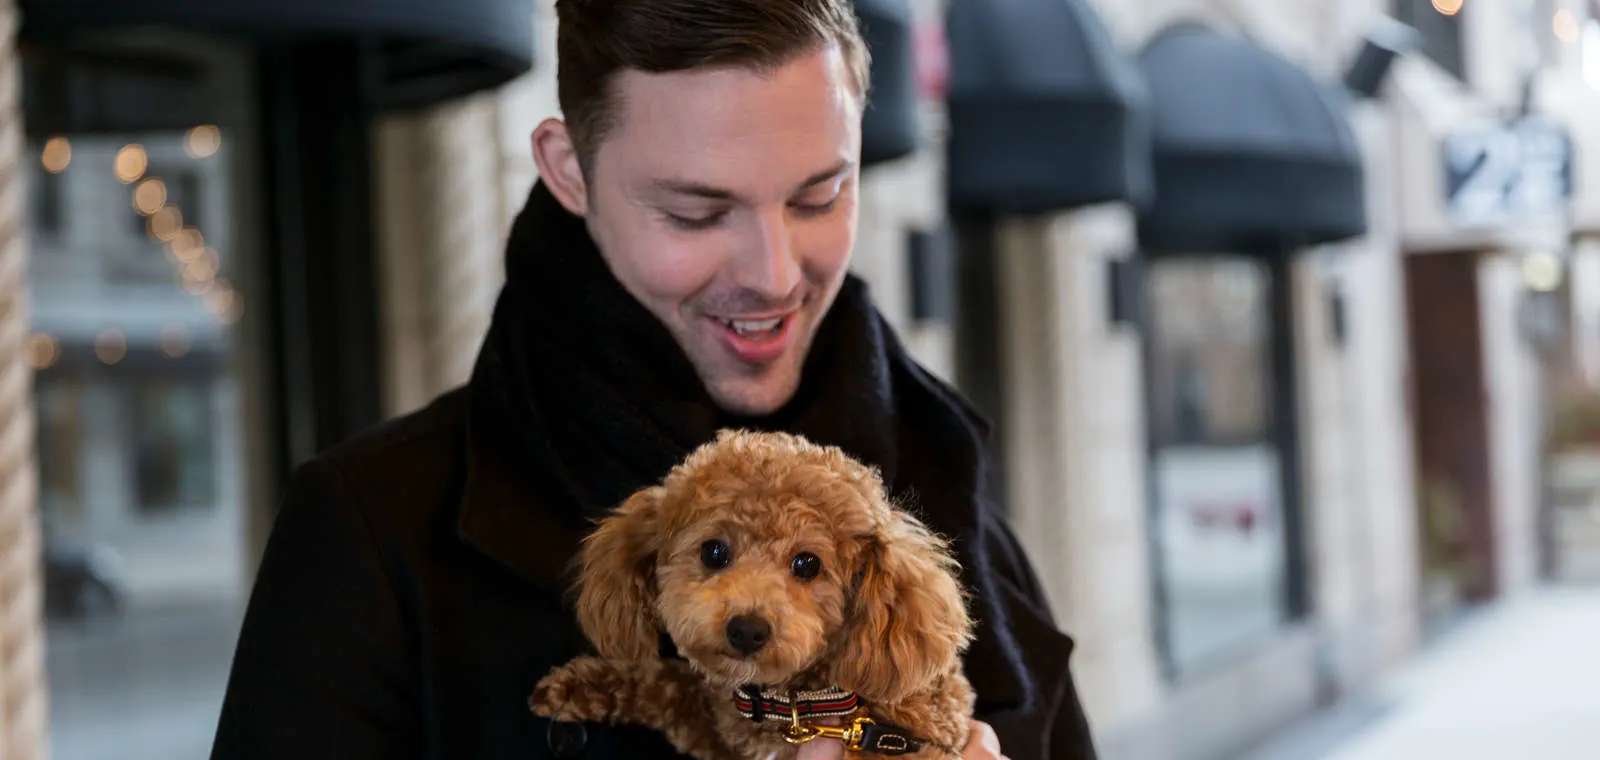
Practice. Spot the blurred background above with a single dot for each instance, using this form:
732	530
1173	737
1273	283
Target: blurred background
1288	313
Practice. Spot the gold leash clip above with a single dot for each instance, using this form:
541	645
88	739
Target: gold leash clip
851	735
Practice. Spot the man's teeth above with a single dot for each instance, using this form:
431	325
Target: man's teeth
747	326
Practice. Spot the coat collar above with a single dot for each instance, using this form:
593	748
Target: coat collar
505	515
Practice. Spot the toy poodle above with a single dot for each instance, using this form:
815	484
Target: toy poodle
800	601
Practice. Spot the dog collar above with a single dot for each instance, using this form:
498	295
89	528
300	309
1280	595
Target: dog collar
861	735
766	704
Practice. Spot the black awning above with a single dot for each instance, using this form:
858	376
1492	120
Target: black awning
423	51
1251	153
889	127
1045	112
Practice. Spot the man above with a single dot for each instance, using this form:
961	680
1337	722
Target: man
680	268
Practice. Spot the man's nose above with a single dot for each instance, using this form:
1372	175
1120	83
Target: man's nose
769	265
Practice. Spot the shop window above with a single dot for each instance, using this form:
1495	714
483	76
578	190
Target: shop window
1210	384
1438	22
45	193
59	406
174	463
1218	505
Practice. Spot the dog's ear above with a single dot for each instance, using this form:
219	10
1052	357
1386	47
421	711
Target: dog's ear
616	599
907	621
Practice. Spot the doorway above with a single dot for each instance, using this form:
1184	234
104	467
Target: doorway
1450	411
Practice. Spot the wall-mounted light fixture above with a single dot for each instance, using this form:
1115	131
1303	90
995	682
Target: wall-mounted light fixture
1338	315
932	268
1381	45
1125	291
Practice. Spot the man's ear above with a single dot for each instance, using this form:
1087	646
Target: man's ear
559	166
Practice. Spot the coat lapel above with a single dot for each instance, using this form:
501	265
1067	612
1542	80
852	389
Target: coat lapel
507	517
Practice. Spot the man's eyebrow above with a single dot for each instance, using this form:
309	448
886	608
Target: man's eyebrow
827	174
701	190
685	187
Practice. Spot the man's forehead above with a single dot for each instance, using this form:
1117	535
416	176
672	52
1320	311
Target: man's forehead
720	132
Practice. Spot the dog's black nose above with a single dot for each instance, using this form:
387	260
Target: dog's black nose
748	633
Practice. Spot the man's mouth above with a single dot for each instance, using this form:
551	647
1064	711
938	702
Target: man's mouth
756	329
758	340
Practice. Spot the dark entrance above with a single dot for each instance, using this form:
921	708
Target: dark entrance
1450	410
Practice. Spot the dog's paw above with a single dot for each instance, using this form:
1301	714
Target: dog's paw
549	697
571	693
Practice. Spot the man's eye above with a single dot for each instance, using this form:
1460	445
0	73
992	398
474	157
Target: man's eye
695	222
816	209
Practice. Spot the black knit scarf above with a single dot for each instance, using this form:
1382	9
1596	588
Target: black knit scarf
586	388
607	397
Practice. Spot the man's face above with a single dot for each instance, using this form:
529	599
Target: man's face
725	202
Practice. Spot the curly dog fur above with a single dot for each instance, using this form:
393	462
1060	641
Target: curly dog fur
884	615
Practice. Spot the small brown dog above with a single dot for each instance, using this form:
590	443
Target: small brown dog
793	590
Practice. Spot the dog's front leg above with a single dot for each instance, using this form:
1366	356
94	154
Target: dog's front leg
661	694
940	714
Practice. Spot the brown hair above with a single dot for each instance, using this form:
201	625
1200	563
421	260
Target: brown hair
596	39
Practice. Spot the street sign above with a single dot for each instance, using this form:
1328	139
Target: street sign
1502	172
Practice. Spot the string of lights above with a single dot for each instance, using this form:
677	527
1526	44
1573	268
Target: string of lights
198	266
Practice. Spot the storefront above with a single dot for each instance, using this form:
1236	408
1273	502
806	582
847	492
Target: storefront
1570	95
1246	180
295	88
203	307
1485	187
1048	156
1045	116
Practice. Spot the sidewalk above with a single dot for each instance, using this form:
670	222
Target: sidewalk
147	686
1521	680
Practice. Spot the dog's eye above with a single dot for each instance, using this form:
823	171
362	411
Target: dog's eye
805	566
715	554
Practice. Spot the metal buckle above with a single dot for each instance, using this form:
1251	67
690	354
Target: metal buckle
800	733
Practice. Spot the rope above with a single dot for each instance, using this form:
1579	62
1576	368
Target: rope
22	682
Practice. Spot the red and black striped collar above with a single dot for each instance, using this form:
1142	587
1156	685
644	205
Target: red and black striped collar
766	704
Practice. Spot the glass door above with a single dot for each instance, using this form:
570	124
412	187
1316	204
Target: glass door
1221	520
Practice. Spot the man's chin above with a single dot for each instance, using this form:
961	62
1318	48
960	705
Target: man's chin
746	391
753	397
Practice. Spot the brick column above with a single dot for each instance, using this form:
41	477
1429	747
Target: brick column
442	225
22	683
1074	427
450	182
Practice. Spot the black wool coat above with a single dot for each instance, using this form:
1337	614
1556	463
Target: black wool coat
412	593
416	584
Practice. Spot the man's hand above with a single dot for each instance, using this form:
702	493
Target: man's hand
982	744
